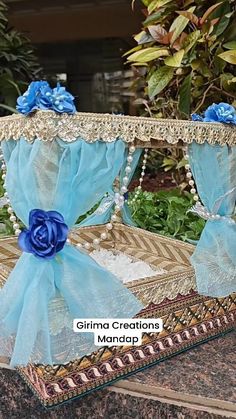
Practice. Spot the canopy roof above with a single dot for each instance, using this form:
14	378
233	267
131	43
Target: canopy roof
145	132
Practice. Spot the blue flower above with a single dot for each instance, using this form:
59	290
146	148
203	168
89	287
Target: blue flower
196	117
39	95
30	100
46	235
220	112
217	112
44	97
62	101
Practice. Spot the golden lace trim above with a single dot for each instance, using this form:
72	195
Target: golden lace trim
47	125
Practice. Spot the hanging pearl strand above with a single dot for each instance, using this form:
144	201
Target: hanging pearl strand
144	166
10	211
199	209
189	177
109	226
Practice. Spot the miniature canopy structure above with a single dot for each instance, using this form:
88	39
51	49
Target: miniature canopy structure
68	163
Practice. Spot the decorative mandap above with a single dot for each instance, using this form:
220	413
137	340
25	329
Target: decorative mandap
56	167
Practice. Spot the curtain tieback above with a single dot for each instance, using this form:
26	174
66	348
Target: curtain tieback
46	235
109	201
203	212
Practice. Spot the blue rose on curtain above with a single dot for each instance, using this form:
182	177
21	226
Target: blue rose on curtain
60	181
46	235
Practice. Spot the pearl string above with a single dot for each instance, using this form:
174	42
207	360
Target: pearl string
144	166
198	208
189	177
108	227
10	211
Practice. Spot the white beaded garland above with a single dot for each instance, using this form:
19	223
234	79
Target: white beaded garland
123	189
103	236
190	180
10	210
145	156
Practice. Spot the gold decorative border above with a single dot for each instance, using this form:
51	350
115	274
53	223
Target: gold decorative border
91	127
56	389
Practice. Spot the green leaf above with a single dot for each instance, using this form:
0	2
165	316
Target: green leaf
209	12
219	64
227	82
230	45
159	80
137	48
230	33
155	17
15	86
8	108
157	3
185	95
179	24
143	37
223	12
229	56
175	60
190	40
148	54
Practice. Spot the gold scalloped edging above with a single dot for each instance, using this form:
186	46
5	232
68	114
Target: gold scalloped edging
47	126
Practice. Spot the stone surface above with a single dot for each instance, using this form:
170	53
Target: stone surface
208	370
204	371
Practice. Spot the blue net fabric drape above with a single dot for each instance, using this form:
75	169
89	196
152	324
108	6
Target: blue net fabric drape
41	297
103	213
214	260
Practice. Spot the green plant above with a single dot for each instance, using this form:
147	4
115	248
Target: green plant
5	224
18	64
186	56
166	213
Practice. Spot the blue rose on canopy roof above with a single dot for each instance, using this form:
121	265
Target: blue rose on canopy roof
217	112
62	101
220	112
39	95
196	117
30	100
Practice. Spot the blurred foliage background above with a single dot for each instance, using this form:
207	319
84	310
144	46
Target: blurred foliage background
185	58
18	63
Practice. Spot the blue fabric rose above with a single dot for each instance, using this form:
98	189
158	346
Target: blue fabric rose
220	112
217	112
39	95
196	117
46	235
30	100
62	101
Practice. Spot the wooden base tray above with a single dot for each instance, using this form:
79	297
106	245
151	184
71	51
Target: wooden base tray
188	318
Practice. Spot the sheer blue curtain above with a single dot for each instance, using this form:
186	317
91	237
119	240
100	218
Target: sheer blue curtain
214	260
103	213
41	297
